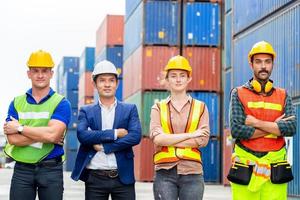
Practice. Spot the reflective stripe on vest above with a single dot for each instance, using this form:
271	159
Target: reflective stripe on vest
266	108
171	153
33	115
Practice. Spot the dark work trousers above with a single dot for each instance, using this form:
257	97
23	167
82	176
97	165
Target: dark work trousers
100	187
46	180
168	185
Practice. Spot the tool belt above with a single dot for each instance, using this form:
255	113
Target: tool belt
281	172
240	173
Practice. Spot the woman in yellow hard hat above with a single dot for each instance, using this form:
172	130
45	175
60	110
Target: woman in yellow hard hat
179	126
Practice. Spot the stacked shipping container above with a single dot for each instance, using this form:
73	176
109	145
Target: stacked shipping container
86	88
109	46
152	37
67	85
278	23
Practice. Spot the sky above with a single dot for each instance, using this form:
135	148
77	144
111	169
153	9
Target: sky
61	27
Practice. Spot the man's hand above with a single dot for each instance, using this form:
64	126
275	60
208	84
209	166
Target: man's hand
251	121
11	127
98	147
121	132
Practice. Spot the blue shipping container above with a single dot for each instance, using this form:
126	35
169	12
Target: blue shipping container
153	22
294	186
283	32
247	12
87	60
212	101
72	96
70	80
227	90
211	161
114	55
201	24
74	119
70	64
130	6
70	159
71	141
228	5
228	39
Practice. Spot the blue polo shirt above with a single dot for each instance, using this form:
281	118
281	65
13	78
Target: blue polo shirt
61	113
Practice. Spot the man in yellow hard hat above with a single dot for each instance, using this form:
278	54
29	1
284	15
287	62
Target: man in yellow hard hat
35	127
261	115
179	126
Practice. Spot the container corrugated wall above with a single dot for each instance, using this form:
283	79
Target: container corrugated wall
113	54
130	6
143	160
201	24
228	5
85	86
227	90
144	101
153	22
211	161
285	38
228	39
87	60
249	11
212	101
145	67
294	186
110	32
206	65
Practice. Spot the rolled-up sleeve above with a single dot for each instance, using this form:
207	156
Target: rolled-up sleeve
155	125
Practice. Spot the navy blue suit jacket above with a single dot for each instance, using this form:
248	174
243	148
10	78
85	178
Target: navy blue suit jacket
89	133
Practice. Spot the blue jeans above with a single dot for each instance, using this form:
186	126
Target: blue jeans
28	180
168	185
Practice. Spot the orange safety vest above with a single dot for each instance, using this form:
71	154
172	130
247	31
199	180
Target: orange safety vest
170	153
266	108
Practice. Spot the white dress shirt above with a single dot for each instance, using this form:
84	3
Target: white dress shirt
102	160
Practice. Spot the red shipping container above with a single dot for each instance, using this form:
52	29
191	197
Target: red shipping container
144	68
85	100
206	65
227	152
110	32
85	85
143	160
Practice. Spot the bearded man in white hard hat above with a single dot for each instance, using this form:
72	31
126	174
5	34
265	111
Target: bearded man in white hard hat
107	130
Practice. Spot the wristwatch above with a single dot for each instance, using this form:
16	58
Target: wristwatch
20	129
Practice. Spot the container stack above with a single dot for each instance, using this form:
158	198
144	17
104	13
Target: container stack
227	86
155	31
85	87
276	22
109	46
68	77
201	46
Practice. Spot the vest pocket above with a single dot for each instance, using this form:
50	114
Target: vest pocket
281	172
240	173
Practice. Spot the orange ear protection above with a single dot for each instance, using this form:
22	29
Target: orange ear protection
258	87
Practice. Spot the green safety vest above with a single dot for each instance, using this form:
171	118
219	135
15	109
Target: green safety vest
33	115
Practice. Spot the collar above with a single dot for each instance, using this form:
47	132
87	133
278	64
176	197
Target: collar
30	98
189	99
110	107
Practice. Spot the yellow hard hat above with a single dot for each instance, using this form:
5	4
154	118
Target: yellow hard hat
261	47
179	62
40	58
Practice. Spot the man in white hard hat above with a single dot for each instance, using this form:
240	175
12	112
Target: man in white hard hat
107	130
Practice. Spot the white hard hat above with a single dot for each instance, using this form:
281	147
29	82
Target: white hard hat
104	67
